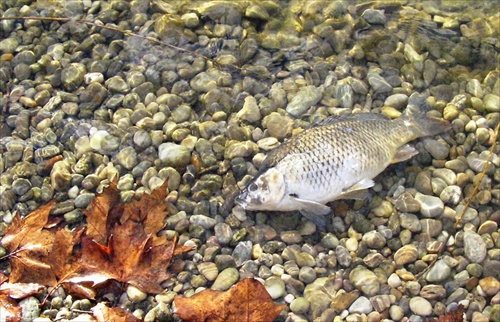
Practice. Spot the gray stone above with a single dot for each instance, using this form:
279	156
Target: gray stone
242	252
451	195
474	246
430	206
72	76
361	305
378	83
420	306
304	99
437	149
374	17
439	272
398	101
29	309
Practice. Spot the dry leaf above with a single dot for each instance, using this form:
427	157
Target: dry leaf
3	278
116	314
29	247
9	310
455	315
246	301
20	290
129	257
98	211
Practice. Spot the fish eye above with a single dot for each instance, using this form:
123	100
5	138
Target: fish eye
252	187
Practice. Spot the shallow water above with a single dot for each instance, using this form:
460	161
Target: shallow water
198	92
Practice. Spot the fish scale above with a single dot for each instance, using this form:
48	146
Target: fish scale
334	160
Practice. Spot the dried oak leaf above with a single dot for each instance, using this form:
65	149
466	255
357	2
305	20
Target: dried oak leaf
129	257
10	311
246	301
116	314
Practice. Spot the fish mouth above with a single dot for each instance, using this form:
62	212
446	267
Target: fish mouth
241	201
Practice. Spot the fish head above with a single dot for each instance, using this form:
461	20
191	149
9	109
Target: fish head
264	192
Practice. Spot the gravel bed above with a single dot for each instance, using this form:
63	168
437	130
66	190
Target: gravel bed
226	83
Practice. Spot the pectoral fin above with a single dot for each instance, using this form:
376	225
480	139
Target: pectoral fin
357	191
404	153
314	211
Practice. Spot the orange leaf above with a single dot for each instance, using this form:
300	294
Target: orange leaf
455	315
116	314
3	278
97	213
247	301
129	257
20	290
29	246
151	210
21	231
9	310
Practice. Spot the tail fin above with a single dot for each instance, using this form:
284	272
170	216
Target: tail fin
415	117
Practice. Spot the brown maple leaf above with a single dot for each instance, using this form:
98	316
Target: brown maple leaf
21	290
455	315
246	301
39	255
116	314
29	246
98	223
129	257
9	310
105	210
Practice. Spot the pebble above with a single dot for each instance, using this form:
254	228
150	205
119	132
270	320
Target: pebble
208	270
374	17
29	308
398	101
299	305
275	287
491	103
361	305
474	247
437	149
174	155
451	195
225	279
489	285
420	306
439	272
365	280
305	98
242	252
135	295
250	111
103	142
127	157
406	254
430	206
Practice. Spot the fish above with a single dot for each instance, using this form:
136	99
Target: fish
337	158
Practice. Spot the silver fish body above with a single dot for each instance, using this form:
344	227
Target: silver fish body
333	160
